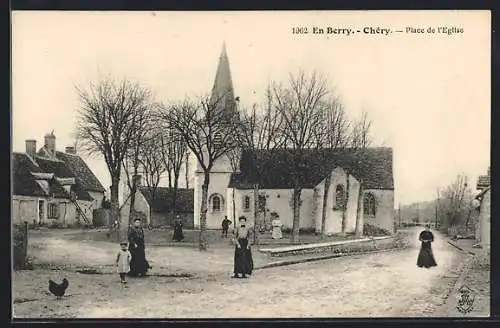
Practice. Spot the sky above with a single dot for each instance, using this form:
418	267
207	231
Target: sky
428	94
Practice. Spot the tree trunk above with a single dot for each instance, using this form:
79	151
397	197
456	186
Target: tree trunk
325	203
234	210
346	201
133	191
296	215
256	222
187	170
203	213
359	212
115	212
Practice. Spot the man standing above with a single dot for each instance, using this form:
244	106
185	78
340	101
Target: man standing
225	226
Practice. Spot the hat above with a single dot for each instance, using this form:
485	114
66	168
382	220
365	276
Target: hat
242	218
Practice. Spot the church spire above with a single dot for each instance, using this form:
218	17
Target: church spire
222	91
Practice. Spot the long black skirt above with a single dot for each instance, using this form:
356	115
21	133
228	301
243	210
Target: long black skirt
178	234
243	262
138	264
426	257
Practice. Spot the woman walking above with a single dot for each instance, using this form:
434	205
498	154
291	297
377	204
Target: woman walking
243	262
425	256
138	265
178	234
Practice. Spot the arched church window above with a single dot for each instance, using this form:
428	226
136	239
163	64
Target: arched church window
340	198
216	202
369	206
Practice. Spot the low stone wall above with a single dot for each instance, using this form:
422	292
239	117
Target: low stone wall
348	248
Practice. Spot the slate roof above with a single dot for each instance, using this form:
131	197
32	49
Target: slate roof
81	171
61	170
22	180
162	201
25	184
372	165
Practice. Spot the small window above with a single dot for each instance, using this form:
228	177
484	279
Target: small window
339	198
246	203
216	202
53	211
369	206
262	203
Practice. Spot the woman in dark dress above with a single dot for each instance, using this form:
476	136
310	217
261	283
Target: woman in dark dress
178	235
138	265
425	256
243	262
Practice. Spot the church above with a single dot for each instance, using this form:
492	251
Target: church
231	192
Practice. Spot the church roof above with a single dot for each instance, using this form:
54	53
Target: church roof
372	165
161	201
223	91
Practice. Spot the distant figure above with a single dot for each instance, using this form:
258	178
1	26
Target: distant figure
138	265
225	226
276	223
123	262
243	262
178	235
425	256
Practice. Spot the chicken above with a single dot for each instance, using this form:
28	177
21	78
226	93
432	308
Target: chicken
58	289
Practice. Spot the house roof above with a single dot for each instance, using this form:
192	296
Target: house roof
81	172
162	199
372	165
23	182
61	170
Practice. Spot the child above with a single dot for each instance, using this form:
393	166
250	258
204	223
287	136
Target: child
123	262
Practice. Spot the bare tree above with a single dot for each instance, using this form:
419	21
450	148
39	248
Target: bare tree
301	107
132	161
361	140
205	126
334	136
152	163
173	151
107	121
258	132
455	202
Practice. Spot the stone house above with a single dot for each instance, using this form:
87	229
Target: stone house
52	187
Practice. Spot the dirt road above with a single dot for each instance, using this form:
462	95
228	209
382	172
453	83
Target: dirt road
383	284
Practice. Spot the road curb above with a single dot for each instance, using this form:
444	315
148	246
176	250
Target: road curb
460	248
319	258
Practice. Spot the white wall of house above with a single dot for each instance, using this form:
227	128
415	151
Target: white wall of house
98	197
65	212
24	208
277	200
141	205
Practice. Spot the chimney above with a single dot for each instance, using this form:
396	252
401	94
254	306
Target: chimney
138	180
31	147
50	143
70	150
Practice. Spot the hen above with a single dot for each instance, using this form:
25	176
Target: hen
58	289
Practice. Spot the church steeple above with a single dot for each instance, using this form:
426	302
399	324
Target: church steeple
222	91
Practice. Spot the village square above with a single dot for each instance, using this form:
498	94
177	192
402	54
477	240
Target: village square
293	193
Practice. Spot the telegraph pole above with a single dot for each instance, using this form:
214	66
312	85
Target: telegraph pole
399	214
